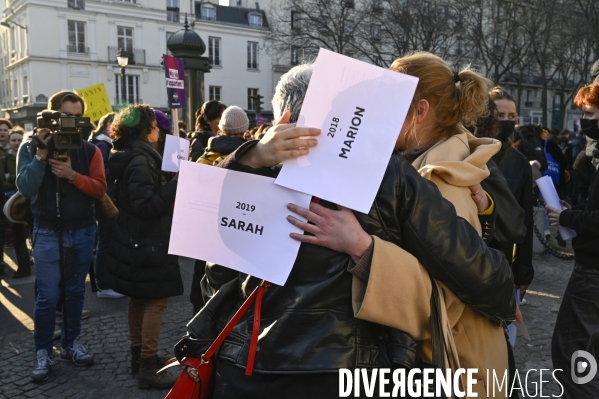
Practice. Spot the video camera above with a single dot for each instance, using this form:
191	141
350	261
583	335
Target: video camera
67	133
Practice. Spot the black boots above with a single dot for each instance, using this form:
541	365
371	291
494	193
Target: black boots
149	376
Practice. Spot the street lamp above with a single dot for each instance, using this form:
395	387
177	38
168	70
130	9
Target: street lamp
6	24
122	57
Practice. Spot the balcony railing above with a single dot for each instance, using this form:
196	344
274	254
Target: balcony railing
136	56
77	49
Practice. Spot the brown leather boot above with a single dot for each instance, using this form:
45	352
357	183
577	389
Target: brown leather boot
135	355
148	367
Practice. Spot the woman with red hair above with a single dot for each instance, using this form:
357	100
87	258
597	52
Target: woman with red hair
577	325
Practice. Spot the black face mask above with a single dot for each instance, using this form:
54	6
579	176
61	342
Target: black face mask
506	129
590	128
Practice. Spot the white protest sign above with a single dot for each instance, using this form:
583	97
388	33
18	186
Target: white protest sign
551	198
235	219
176	149
360	109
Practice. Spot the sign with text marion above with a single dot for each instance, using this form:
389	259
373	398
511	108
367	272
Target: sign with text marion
174	70
235	219
361	109
97	103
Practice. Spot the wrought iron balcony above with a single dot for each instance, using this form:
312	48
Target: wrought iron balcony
136	56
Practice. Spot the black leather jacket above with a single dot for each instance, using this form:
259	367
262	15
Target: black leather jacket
308	324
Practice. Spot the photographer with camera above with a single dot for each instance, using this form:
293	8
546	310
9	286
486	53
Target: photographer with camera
62	175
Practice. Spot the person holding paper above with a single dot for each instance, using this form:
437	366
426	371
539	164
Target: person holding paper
438	145
577	325
309	326
139	265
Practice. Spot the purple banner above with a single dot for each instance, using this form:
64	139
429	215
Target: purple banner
175	81
261	120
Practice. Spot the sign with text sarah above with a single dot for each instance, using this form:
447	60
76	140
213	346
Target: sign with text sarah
175	81
360	108
235	219
176	150
97	103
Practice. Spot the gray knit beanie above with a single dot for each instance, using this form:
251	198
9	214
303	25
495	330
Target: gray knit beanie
233	121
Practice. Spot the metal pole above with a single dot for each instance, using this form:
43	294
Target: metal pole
123	87
175	121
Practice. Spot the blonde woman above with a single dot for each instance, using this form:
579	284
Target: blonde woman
391	287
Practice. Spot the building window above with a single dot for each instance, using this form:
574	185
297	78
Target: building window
499	13
376	32
426	8
458	16
348	28
324	25
214	50
295	20
252	55
77	37
76	4
214	93
208	12
131	94
252	93
458	46
124	38
255	19
25	86
172	10
295	55
442	12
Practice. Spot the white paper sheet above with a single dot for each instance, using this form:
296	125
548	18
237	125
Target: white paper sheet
235	219
360	109
551	198
176	149
516	326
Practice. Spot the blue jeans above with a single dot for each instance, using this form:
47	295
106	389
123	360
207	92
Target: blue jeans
104	229
78	246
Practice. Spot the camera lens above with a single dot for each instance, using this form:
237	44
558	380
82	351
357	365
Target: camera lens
64	139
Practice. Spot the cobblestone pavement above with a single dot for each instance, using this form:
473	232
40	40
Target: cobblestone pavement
105	334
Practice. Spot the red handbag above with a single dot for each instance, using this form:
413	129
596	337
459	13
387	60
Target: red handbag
197	379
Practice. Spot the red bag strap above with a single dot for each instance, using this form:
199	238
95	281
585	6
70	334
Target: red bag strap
257	293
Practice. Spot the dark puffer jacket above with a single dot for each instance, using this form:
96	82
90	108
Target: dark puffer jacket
139	264
309	325
199	142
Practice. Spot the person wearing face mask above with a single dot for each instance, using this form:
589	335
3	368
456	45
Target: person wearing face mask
5	127
577	325
518	173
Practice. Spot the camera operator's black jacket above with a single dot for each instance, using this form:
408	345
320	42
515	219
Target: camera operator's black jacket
309	324
139	265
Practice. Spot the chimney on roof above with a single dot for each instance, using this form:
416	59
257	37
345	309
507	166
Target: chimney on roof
257	6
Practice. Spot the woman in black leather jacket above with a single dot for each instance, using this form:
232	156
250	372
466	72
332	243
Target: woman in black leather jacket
308	328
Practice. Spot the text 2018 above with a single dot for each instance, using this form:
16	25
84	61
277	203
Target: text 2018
333	127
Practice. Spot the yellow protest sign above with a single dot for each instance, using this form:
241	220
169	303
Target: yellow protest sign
96	101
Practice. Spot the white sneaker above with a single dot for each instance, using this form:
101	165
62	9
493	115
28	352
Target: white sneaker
109	294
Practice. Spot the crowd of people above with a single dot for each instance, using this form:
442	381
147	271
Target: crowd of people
453	217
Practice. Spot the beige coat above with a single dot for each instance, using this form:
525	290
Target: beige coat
399	289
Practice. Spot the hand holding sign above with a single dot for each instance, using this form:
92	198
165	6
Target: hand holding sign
282	142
